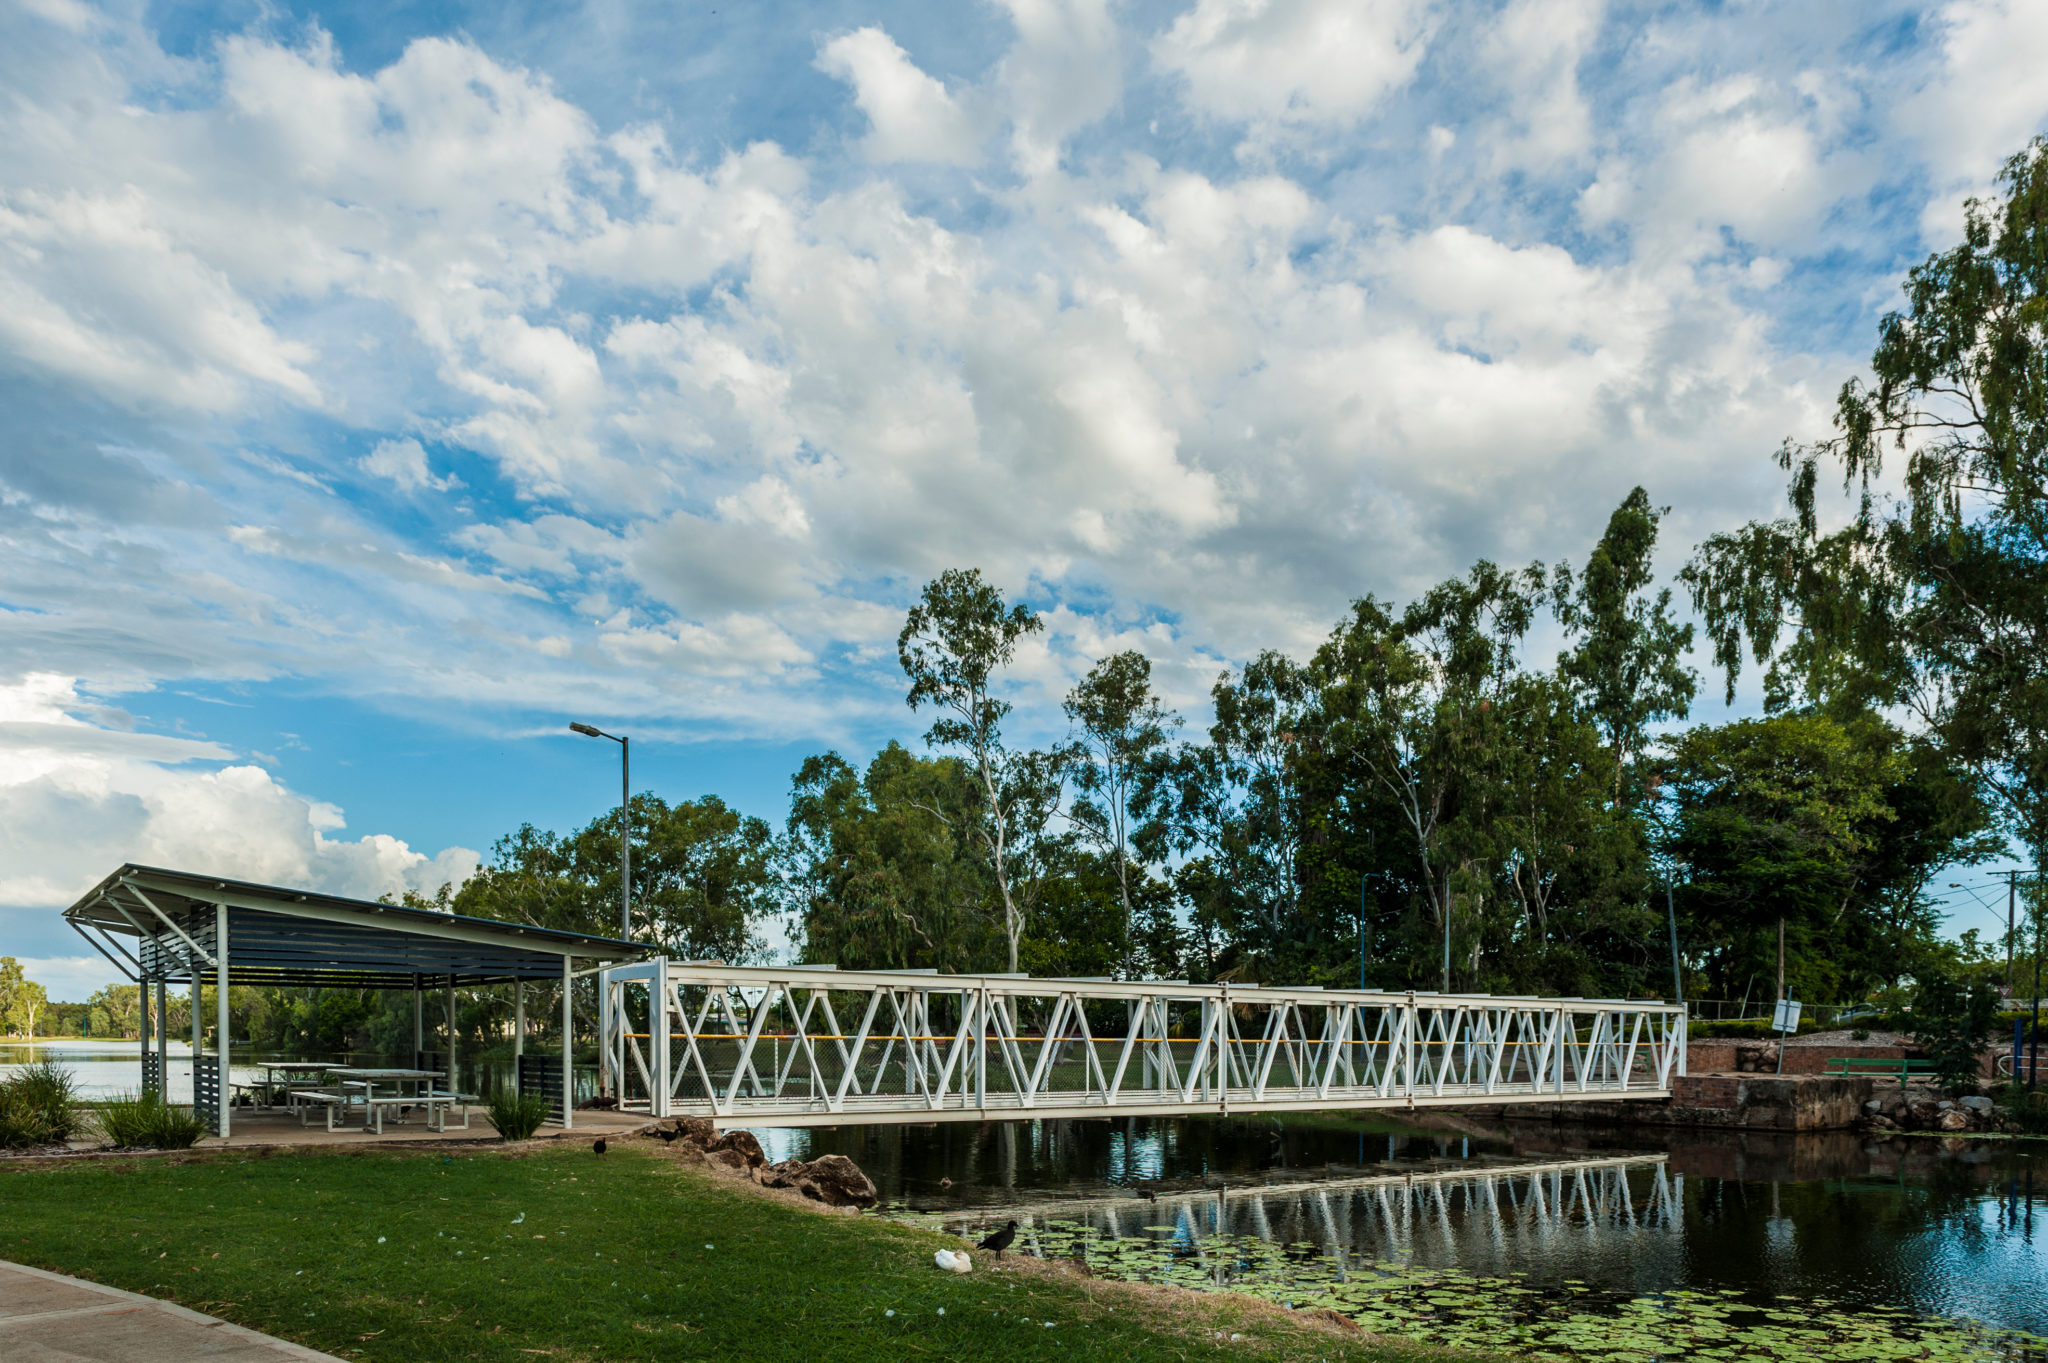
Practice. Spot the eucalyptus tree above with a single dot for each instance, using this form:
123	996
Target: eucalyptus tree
1414	700
1122	731
1930	596
880	869
704	873
955	639
1627	665
1231	807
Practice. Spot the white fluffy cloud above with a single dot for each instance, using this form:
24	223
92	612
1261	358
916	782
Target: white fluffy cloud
912	116
78	799
1294	61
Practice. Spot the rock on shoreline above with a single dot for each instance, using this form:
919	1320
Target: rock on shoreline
833	1180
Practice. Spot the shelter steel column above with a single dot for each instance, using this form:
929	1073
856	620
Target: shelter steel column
144	997
451	1034
568	1045
419	1022
518	1027
224	1092
163	1038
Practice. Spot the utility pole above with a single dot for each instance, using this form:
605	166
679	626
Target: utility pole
2034	1050
1671	916
2012	899
1781	958
1361	930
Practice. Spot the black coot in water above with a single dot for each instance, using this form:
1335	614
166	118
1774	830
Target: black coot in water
1000	1240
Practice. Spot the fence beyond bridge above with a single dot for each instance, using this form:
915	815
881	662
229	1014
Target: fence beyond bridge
813	1046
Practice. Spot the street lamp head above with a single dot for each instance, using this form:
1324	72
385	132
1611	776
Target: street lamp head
587	730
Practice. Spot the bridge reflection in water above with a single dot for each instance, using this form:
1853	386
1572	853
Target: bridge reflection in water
1485	1221
810	1045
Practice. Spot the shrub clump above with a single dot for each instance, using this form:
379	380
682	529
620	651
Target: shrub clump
1952	1022
36	1107
2025	1108
146	1121
516	1116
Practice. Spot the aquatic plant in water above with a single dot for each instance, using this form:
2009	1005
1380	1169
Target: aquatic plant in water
1570	1322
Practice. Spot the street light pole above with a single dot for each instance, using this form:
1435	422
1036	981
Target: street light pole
625	823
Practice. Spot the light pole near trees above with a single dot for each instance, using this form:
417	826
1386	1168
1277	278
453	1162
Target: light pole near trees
625	823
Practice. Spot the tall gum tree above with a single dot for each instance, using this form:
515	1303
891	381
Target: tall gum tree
955	639
1930	597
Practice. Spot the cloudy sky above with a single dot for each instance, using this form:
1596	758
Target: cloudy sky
386	386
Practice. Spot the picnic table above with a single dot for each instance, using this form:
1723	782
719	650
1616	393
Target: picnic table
359	1084
280	1075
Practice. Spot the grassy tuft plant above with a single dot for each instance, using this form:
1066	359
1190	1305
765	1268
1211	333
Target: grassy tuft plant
146	1121
36	1107
516	1116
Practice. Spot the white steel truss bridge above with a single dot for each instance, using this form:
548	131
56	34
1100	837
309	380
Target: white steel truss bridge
814	1046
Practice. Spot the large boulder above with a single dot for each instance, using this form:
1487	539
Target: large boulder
1978	1104
833	1180
739	1144
1955	1119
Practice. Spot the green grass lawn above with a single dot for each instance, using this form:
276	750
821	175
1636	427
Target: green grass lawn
470	1253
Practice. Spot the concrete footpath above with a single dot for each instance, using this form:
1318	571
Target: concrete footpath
49	1318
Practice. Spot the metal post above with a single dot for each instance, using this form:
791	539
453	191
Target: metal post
198	1035
1447	936
147	1003
626	839
225	1093
518	1025
452	1087
1671	915
419	1023
2034	1052
1361	930
163	1037
568	1047
2012	898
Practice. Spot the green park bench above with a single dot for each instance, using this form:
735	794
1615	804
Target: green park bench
1901	1070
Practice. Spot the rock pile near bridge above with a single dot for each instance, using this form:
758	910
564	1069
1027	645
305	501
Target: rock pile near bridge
1926	1110
833	1180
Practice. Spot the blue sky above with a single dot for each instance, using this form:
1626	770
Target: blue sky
388	385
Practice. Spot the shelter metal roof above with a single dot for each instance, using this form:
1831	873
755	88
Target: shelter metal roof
162	924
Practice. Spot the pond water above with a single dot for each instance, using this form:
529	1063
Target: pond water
1636	1243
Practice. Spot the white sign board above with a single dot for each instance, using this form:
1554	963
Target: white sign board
1786	1017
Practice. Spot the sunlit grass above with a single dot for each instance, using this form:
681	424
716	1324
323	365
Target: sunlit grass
490	1256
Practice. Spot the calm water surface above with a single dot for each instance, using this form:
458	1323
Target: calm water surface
1955	1229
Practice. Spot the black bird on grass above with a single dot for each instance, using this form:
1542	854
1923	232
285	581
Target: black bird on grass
666	1135
598	1145
999	1240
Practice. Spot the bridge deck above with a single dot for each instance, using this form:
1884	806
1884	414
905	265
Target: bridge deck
810	1046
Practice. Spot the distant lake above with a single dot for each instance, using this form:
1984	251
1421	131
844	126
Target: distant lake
101	1069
